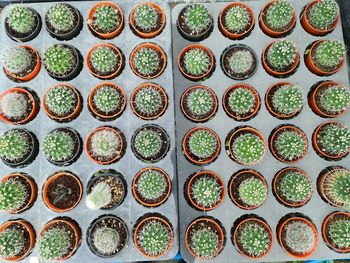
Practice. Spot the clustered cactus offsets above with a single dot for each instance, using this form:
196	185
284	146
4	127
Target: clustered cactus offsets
206	191
61	17
279	15
241	61
334	139
248	148
149	101
196	62
148	143
147	61
287	99
12	242
59	146
14	145
104	60
237	19
106	240
323	14
241	101
100	196
107	99
337	187
281	55
334	99
204	242
152	185
13	194
338	230
202	144
59	59
105	144
17	59
197	18
146	17
290	145
329	54
106	19
21	19
252	191
199	102
61	100
15	105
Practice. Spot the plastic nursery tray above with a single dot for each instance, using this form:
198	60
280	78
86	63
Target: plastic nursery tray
129	211
272	211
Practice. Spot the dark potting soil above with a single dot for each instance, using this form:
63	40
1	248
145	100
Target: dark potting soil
159	69
19	35
112	113
29	69
101	31
25	234
58	32
186	29
117	66
28	109
158	24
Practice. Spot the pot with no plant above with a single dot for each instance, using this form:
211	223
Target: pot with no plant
18	105
325	57
107	101
18	192
153	235
252	237
22	23
320	17
17	239
18	147
106	190
297	235
335	231
62	191
59	239
248	189
201	145
62	103
292	187
288	143
196	62
105	145
195	23
147	19
204	190
63	21
107	235
278	18
151	187
329	99
106	20
331	140
284	100
241	102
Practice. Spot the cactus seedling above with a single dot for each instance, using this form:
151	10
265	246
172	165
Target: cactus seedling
14	145
106	240
13	195
287	99
107	99
279	15
336	187
290	144
148	143
12	243
334	139
104	60
15	105
148	101
17	60
323	14
204	242
241	101
248	148
252	191
196	19
106	19
338	230
105	144
281	55
55	243
146	17
21	19
152	185
206	191
61	17
59	146
196	62
237	19
61	100
329	54
147	61
241	61
202	144
334	99
59	59
199	102
100	196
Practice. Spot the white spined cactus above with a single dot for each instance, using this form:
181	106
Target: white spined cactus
100	196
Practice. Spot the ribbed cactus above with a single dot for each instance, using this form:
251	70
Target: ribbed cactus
14	145
14	105
61	17
148	143
287	99
106	240
16	59
107	99
61	100
241	61
196	18
334	99
241	101
151	185
146	17
339	229
290	145
59	59
106	18
54	243
21	19
279	15
100	196
334	139
147	61
248	148
237	19
337	187
58	146
12	242
204	242
148	101
323	14
202	144
206	191
199	102
13	194
252	191
196	62
281	55
105	144
329	54
104	60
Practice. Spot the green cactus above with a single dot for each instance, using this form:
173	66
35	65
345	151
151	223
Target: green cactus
58	146
146	17
61	17
14	145
106	240
279	15
15	105
100	196
334	139
61	100
105	144
334	99
248	148
197	18
104	60
323	14
148	143
148	101
55	243
329	54
13	194
287	99
12	242
59	59
204	242
241	101
199	102
237	19
339	229
202	144
337	187
16	59
241	61
290	145
281	55
152	185
21	19
196	62
107	99
147	61
106	19
206	191
252	191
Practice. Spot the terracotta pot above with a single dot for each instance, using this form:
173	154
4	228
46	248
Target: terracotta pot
304	21
109	35
232	35
183	71
31	237
234	115
271	32
139	32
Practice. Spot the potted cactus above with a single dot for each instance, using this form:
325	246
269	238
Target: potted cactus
105	190
288	143
107	101
18	105
107	236
196	62
292	187
248	189
320	17
63	21
329	99
62	103
105	145
331	140
18	192
106	20
278	18
149	101
199	103
59	239
62	191
151	187
150	143
17	240
195	23
18	147
335	231
236	20
62	146
245	145
153	235
204	190
252	237
22	23
105	61
325	57
205	238
147	19
284	100
297	235
201	145
241	102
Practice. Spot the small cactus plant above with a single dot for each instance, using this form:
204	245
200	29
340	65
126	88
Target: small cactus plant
12	243
248	148
197	18
55	243
339	229
151	185
334	99
61	100
202	144
287	99
100	196
241	61
107	99
61	17
17	59
15	105
148	143
147	61
13	194
106	240
281	55
206	191
59	59
237	19
337	187
14	145
279	15
252	192
199	102
204	242
106	19
104	60
196	62
105	144
241	101
21	19
148	101
290	145
329	54
334	139
323	14
58	146
146	17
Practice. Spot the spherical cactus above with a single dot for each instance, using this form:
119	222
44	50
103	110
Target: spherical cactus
336	187
290	145
199	102
21	19
334	139
329	54
106	240
322	14
202	144
339	229
152	185
104	60
15	105
281	55
13	194
148	143
248	148
107	99
204	242
58	146
14	145
334	99
252	191
146	61
146	17
12	243
148	101
279	15
106	18
61	100
241	101
241	61
206	191
61	17
287	99
59	59
197	18
237	19
105	144
196	62
54	243
16	59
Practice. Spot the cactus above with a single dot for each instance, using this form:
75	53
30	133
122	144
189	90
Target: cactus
54	243
241	61
334	139
335	99
206	191
58	146
323	14
146	17
13	194
252	191
197	18
151	185
59	59
281	55
104	60
148	101
329	54
241	101
339	229
204	242
16	59
290	145
287	99
14	145
12	242
202	144
237	19
106	240
106	18
61	17
148	143
199	102
107	99
100	196
21	19
61	100
337	187
147	61
196	62
279	15
105	144
248	148
14	105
